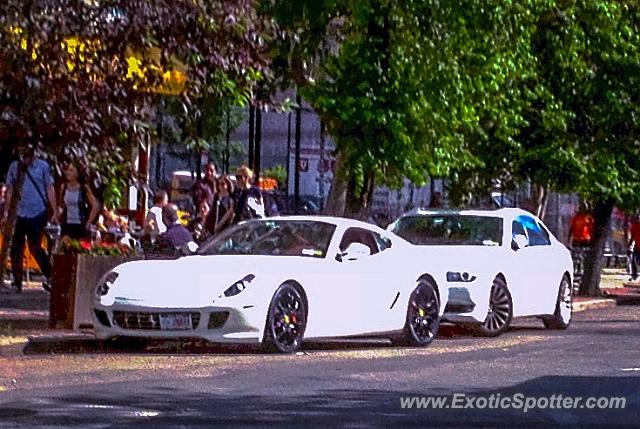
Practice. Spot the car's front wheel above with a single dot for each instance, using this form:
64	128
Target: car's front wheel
286	321
423	316
500	310
561	318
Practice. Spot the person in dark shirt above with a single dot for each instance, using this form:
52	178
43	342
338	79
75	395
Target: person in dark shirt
224	210
176	237
247	198
205	189
198	226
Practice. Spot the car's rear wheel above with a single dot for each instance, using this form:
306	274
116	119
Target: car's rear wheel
423	316
286	321
500	310
561	318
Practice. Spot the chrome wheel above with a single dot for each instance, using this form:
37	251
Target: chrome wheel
500	310
561	317
286	321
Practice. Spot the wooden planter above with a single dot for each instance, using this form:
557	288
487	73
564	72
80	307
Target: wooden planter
74	279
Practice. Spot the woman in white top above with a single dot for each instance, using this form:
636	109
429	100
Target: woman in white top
78	204
153	225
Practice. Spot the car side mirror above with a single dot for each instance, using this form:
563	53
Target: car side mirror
519	241
354	252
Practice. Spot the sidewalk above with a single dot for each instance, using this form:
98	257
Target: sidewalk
24	317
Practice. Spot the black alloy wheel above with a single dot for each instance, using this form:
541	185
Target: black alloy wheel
423	316
561	318
500	310
286	321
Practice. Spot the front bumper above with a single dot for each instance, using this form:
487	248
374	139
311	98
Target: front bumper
217	324
464	305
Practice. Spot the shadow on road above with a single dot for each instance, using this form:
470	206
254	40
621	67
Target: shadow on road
132	405
45	345
447	333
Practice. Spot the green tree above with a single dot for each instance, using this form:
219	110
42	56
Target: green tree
412	88
589	63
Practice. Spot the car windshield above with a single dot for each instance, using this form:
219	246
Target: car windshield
450	229
272	237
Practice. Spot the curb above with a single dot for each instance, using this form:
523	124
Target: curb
593	304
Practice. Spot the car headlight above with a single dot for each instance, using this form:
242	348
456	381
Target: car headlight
458	277
106	283
239	286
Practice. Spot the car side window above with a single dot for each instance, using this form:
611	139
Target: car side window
537	236
517	228
384	243
359	235
545	234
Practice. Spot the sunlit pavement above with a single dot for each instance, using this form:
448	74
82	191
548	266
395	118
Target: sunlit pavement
343	384
67	379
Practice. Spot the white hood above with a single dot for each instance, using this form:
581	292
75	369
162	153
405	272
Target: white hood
459	257
194	281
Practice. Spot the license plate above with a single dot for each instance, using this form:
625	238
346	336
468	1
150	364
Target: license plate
175	322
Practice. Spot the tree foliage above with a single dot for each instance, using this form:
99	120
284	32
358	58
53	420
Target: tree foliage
411	88
82	77
541	91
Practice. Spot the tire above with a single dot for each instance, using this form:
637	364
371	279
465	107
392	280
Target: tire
286	321
561	318
500	310
423	316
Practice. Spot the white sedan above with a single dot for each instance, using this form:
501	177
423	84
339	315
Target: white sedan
276	281
500	264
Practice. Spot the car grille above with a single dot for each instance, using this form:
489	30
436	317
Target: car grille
146	321
218	319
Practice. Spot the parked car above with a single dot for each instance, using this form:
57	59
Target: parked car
499	264
276	281
278	203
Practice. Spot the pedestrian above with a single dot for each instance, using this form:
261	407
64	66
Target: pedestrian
3	195
436	200
634	242
581	230
246	197
176	236
37	193
198	226
153	224
225	207
205	188
78	205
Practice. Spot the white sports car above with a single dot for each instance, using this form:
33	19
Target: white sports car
500	264
274	281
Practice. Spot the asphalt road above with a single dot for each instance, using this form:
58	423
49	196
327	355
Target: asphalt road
339	384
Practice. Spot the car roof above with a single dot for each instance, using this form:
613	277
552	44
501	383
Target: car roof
338	221
507	212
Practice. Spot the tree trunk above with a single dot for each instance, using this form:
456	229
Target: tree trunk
353	202
594	259
540	198
9	222
336	203
542	202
